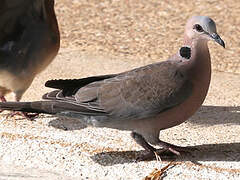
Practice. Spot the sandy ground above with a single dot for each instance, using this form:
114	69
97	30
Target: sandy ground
113	36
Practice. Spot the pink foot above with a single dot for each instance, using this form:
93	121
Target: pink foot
28	116
2	99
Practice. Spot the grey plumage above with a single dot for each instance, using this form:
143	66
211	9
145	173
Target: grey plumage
145	100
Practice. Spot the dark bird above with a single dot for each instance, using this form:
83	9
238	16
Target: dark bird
29	41
144	100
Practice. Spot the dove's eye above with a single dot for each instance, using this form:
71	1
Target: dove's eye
198	28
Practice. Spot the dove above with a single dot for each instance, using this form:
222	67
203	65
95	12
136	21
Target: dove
145	100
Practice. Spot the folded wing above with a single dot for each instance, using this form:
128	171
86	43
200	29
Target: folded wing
139	93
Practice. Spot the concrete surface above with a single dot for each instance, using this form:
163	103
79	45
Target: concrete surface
52	148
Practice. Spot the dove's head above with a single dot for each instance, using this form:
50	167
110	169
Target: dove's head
202	28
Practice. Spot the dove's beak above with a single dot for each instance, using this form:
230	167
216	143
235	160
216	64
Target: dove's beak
218	39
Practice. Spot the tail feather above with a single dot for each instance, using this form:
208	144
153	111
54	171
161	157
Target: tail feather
32	107
49	107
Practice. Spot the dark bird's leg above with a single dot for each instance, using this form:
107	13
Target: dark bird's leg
28	116
2	99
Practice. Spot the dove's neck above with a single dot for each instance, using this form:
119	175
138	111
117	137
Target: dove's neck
198	71
199	65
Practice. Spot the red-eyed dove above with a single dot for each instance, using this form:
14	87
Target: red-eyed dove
145	100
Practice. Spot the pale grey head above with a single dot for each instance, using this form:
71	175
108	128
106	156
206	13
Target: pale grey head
202	28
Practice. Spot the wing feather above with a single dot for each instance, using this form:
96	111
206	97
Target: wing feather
139	93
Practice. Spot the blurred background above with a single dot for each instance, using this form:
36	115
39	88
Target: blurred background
146	30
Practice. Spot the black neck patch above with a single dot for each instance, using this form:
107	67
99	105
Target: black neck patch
185	52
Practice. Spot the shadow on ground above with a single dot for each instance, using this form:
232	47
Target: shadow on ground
206	116
207	152
212	115
66	124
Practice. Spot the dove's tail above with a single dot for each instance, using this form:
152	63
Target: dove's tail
32	107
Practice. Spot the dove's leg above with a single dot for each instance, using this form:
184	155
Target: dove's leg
151	151
173	148
142	142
